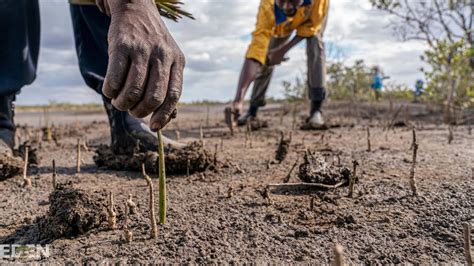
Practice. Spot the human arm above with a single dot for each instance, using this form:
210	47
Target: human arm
277	56
145	70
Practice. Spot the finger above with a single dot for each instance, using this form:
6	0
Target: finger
107	7
116	72
100	5
156	89
133	89
164	114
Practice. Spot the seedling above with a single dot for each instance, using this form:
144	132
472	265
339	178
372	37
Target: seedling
293	125
413	166
230	192
201	136
222	144
369	148
128	235
451	135
112	218
78	157
339	255
467	243
151	204
188	165
215	154
248	136
288	176
54	175
26	180
178	135
353	178
162	176
131	205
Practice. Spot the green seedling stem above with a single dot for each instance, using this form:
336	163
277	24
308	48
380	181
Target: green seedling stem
161	178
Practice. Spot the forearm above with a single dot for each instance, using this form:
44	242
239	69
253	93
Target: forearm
247	76
292	43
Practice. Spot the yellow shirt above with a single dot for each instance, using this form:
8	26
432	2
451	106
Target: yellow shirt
307	21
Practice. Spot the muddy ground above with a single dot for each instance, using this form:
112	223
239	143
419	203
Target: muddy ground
382	223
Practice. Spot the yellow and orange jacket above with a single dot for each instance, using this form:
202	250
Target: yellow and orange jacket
271	22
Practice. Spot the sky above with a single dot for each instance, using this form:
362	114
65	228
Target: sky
215	44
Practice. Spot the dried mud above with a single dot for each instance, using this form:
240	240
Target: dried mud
191	159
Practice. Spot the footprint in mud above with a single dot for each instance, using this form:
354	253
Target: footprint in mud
314	169
72	212
193	158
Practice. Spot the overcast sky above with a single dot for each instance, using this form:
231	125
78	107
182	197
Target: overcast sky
215	44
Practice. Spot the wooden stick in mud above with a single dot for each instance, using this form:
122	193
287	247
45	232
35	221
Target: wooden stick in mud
162	178
215	154
222	144
26	180
288	176
112	218
467	243
413	167
369	147
151	204
355	163
54	175
128	235
339	255
78	157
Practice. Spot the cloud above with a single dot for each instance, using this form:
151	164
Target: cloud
215	44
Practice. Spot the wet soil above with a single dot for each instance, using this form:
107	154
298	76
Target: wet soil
315	169
9	166
191	159
382	223
72	212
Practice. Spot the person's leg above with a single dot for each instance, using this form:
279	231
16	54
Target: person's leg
90	32
261	84
316	72
19	48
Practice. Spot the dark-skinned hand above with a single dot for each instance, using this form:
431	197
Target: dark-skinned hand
145	70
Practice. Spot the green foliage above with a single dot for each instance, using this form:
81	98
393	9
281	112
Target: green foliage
449	66
349	82
296	91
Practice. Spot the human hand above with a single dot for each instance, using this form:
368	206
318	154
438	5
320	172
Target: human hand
276	56
145	70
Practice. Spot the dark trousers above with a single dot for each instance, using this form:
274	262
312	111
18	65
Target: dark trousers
20	40
316	63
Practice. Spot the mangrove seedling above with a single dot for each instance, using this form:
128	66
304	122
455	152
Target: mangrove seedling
78	157
26	180
151	204
54	175
353	178
112	217
128	235
338	255
467	243
162	177
413	167
131	205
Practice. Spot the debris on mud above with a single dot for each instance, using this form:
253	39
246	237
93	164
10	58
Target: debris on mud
10	166
177	161
33	157
72	212
283	148
314	169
